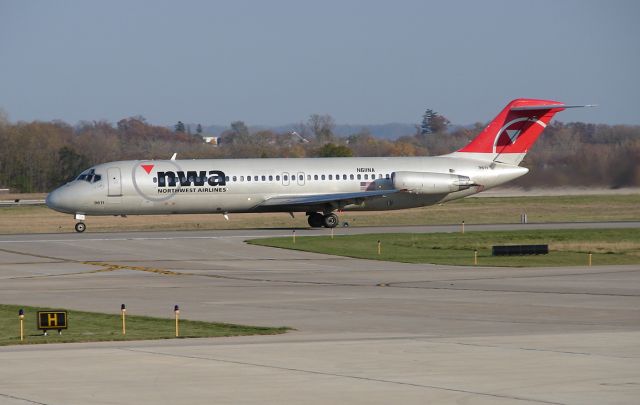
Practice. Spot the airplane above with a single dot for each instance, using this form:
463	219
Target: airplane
316	186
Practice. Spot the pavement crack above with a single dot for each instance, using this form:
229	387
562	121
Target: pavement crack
534	349
21	399
340	375
108	267
515	291
513	277
17	252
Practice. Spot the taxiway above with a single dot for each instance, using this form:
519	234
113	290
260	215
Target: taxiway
366	331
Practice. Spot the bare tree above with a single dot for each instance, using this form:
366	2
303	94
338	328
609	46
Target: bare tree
4	118
322	127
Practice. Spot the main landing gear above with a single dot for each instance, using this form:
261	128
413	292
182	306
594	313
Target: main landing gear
317	220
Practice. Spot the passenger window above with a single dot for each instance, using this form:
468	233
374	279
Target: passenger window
315	177
308	177
344	177
285	177
330	177
387	175
359	177
322	177
366	177
255	178
278	177
248	178
226	178
235	178
337	177
270	178
351	176
264	178
241	178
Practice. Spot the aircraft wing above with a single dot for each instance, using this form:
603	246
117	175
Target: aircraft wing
319	199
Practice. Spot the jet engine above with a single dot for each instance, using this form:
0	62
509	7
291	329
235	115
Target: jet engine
430	183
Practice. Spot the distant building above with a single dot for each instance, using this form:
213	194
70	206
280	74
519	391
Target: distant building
213	140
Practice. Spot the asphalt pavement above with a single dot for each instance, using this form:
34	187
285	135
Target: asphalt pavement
365	331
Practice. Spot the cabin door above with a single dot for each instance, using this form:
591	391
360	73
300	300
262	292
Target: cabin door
114	182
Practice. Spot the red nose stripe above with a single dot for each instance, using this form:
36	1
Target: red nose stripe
147	168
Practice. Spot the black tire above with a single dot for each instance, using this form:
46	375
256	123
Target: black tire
80	227
315	220
330	221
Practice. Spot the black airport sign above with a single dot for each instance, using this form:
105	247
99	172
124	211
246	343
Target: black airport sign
52	320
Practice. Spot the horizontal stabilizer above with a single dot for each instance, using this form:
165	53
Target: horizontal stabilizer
549	107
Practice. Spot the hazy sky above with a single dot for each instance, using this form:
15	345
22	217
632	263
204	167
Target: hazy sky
276	62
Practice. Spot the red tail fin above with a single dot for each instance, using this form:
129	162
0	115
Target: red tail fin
512	133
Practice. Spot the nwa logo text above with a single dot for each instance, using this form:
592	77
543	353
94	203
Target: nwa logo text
191	178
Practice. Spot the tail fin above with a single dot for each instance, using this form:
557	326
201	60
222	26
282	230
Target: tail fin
510	135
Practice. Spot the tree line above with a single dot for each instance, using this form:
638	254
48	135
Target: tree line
38	156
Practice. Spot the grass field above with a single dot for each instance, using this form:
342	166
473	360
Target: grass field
576	208
98	327
567	247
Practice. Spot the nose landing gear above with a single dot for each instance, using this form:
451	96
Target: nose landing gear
80	226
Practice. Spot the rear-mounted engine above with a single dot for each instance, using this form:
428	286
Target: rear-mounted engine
430	183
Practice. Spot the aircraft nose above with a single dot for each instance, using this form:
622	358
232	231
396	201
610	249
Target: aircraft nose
53	199
58	200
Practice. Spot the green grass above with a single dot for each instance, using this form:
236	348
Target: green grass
575	208
98	327
567	247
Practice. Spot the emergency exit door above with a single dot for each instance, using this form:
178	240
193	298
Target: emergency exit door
114	182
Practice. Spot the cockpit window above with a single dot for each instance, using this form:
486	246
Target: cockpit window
90	176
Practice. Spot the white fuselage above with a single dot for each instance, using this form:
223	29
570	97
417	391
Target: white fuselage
243	185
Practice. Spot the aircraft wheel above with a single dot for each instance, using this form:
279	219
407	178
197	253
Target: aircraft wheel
80	227
315	220
330	220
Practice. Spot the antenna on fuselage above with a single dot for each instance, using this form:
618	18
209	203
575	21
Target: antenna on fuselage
174	156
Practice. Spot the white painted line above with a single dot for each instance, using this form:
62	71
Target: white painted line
143	238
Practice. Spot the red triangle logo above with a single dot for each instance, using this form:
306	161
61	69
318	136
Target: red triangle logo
147	168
